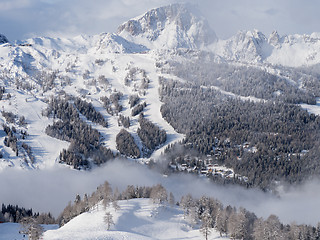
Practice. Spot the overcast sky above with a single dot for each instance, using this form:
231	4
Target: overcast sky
20	19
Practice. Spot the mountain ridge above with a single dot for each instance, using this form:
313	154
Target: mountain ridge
181	26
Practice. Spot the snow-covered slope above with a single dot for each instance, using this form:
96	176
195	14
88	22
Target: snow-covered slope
86	67
136	219
91	67
173	26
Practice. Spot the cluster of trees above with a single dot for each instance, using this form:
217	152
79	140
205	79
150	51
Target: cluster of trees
133	100
28	150
112	104
85	141
9	116
279	132
90	112
22	121
246	81
14	214
138	109
124	121
150	134
61	108
126	144
86	74
11	140
103	80
2	91
80	205
46	79
11	213
132	79
240	223
308	76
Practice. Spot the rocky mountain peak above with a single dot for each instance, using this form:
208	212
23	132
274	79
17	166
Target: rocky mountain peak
172	26
274	38
3	39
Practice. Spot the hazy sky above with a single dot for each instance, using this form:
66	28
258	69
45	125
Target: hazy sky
20	19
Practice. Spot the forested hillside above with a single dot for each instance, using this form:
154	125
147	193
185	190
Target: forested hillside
268	140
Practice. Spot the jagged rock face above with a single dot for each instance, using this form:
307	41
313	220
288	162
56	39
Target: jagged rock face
246	46
176	25
3	39
274	38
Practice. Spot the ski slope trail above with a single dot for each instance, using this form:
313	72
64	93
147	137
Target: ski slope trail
152	97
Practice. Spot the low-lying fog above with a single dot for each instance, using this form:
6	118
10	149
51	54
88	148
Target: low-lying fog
51	189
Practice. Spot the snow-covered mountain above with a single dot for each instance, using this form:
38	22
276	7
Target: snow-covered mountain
114	75
33	71
173	26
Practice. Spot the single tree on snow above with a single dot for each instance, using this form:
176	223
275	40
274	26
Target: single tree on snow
171	199
108	220
115	205
206	224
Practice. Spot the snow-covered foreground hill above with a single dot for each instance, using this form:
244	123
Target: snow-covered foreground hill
136	219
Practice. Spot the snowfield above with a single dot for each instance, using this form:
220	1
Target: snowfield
136	219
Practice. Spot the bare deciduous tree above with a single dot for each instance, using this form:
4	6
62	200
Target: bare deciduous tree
206	225
108	220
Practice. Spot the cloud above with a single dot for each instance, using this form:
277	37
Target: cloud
271	11
51	190
24	18
9	5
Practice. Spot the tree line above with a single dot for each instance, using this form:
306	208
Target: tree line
112	104
14	214
206	212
